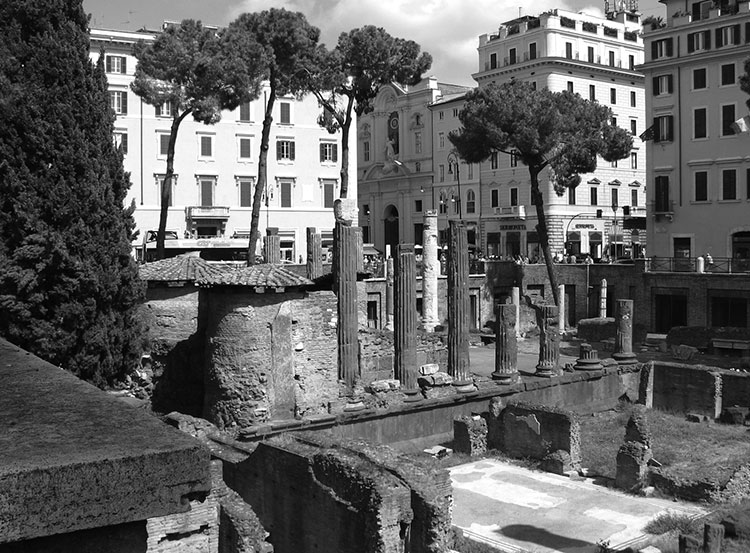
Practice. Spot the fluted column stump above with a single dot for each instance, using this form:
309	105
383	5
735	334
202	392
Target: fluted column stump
314	254
588	359
272	251
360	249
405	321
603	299
623	353
345	269
458	307
389	293
549	341
430	272
516	300
506	345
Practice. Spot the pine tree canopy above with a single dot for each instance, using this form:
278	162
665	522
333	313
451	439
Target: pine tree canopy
68	284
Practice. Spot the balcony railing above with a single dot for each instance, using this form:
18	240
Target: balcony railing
718	265
207	212
511	212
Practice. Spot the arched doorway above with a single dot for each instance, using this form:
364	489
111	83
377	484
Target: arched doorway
390	226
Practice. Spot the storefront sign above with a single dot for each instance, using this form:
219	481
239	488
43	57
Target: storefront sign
585	225
512	227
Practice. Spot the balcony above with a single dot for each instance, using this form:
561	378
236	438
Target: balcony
198	212
510	212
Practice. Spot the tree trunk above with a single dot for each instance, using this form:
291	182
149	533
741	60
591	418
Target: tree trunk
345	148
538	200
260	186
166	186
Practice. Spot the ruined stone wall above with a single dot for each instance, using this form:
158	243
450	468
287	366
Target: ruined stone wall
175	343
315	493
376	353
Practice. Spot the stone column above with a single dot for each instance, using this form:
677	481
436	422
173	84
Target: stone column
603	299
405	323
430	272
345	246
549	341
273	246
624	333
588	359
515	295
389	293
360	250
458	306
561	307
314	254
506	346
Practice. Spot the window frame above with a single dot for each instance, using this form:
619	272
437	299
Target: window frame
695	111
704	184
203	139
285	150
733	184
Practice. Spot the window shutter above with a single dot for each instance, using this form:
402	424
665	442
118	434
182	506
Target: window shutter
124	66
245	111
719	42
691	42
656	86
245	148
124	142
654	50
157	110
707	39
124	103
335	152
108	64
669	47
736	33
291	150
747	32
322	152
669	84
657	132
670	121
278	150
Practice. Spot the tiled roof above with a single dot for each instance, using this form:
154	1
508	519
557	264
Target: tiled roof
182	268
264	276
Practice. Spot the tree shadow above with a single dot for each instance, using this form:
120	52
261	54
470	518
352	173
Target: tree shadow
541	537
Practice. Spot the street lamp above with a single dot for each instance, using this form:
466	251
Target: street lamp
454	164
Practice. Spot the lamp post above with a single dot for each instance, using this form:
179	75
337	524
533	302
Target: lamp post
454	164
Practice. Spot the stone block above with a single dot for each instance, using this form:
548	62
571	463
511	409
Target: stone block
713	535
737	523
683	352
557	462
632	466
735	415
429	368
689	544
470	435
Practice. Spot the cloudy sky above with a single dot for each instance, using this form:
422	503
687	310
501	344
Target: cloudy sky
448	29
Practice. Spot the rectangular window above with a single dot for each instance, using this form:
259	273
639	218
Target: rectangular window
661	48
633	127
470	171
701	186
662	85
590	54
441	140
163	110
699	78
494	198
116	64
285	113
118	100
570	86
613	163
532	51
727	36
441	173
206	143
700	123
246	193
613	121
441	115
493	61
729	184
285	150
727	118
329	152
615	197
611	59
631	62
493	160
634	198
697	42
661	195
594	195
632	99
663	128
329	189
286	193
418	233
418	142
511	56
727	74
245	148
592	92
245	112
569	50
514	196
418	206
612	95
514	159
207	192
455	112
633	160
121	141
366	150
747	183
163	144
571	196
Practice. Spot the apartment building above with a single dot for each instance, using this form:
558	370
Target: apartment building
217	165
698	163
596	58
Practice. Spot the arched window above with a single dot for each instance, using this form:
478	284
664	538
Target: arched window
470	202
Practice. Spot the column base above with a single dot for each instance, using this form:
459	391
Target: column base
625	358
504	377
588	365
412	395
354	405
544	371
464	386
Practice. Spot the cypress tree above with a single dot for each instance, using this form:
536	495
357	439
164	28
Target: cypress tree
68	285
